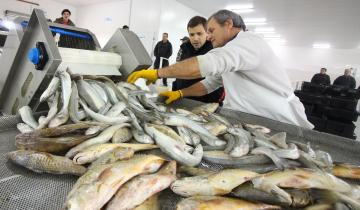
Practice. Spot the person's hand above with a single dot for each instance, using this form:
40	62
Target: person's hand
172	96
149	74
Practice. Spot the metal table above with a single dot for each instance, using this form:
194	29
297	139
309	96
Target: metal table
23	189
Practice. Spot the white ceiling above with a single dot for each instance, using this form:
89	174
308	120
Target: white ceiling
300	22
83	2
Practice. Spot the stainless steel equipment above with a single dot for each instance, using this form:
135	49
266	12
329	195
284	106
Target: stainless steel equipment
46	47
24	189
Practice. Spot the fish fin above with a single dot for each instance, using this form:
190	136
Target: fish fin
279	139
261	184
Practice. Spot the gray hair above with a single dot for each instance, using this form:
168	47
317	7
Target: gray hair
222	16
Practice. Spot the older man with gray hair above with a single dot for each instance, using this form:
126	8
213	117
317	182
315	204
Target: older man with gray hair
255	82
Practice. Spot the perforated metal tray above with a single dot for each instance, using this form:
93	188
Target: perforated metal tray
23	189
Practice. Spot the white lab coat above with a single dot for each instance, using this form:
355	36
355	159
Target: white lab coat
255	82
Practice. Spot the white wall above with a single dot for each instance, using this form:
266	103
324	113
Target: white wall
104	18
173	20
303	63
51	8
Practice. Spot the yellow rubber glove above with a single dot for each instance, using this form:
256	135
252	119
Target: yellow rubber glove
149	74
172	96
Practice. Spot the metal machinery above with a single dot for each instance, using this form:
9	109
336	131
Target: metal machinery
28	67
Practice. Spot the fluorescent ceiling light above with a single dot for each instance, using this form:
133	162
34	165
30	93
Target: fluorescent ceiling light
277	41
321	45
263	29
8	24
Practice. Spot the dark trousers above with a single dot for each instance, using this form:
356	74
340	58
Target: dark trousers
164	64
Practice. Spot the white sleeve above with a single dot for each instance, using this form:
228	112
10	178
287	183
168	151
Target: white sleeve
212	83
234	56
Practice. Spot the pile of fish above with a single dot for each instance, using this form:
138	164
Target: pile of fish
127	148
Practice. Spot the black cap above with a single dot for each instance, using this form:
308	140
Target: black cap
184	38
65	10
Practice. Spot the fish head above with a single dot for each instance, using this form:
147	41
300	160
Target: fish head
192	186
169	168
21	157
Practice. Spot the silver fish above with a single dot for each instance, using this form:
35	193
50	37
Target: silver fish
216	128
119	153
242	145
43	122
51	89
74	114
63	116
191	115
87	93
24	128
110	93
185	135
105	108
27	117
128	85
99	90
103	137
219	157
291	153
171	144
141	137
176	120
96	128
280	163
259	128
279	140
103	118
116	109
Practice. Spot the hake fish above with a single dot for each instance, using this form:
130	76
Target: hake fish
74	113
102	118
63	116
177	120
220	157
300	198
87	93
24	128
116	110
27	117
51	89
280	163
137	190
97	193
218	183
171	144
291	153
44	162
43	122
216	128
218	202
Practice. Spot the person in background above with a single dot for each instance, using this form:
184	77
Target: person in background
346	80
321	78
253	77
163	49
197	45
126	27
183	40
65	19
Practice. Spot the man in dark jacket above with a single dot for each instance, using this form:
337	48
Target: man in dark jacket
321	78
346	80
65	19
197	45
163	49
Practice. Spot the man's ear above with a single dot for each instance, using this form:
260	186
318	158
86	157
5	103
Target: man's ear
229	23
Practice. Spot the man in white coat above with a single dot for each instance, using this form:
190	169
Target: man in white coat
255	82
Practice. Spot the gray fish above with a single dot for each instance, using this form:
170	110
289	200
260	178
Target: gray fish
185	135
110	92
74	114
219	157
43	122
99	90
63	116
205	109
300	198
141	137
24	128
51	89
170	143
119	153
242	145
291	153
88	93
176	120
103	118
191	115
116	109
27	117
280	163
105	108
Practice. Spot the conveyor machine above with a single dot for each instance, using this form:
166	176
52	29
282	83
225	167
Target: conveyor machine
46	47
